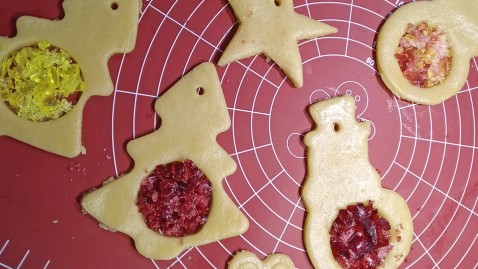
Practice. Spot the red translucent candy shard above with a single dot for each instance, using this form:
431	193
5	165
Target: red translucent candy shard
174	199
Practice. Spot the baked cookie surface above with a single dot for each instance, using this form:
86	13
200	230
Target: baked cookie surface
339	174
193	113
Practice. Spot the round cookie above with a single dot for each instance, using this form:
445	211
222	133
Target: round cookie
457	19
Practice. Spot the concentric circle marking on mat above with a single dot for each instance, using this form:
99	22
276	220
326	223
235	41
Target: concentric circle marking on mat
427	154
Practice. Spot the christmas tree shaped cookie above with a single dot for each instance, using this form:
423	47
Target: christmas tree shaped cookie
173	198
426	42
48	60
272	28
351	220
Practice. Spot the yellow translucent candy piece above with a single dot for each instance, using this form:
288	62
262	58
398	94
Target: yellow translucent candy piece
36	82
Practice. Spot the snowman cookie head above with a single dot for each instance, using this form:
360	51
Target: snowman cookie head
335	121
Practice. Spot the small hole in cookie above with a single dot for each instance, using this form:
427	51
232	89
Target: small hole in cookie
114	6
277	2
336	127
200	90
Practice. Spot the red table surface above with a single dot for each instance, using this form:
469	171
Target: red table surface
427	154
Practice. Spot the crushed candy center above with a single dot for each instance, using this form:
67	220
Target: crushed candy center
40	82
424	55
174	199
359	237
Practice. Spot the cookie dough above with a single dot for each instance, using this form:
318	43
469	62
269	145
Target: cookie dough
193	113
91	31
339	174
458	21
248	260
272	28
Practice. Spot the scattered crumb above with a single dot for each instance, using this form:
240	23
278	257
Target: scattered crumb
398	257
108	181
55	221
83	150
83	211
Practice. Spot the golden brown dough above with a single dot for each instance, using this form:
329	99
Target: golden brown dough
272	28
248	260
457	19
190	124
91	31
339	174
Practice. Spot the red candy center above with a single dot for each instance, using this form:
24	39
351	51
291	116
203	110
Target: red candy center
174	199
359	237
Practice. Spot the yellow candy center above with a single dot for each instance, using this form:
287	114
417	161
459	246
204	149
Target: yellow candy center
40	82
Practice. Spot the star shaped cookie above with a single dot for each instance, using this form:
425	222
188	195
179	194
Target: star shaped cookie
91	31
193	113
272	28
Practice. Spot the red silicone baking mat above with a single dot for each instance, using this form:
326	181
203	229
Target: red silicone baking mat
427	154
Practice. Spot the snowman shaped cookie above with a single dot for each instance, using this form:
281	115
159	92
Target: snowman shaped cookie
351	220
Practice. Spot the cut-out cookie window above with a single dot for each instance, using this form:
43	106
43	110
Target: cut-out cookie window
90	33
190	124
